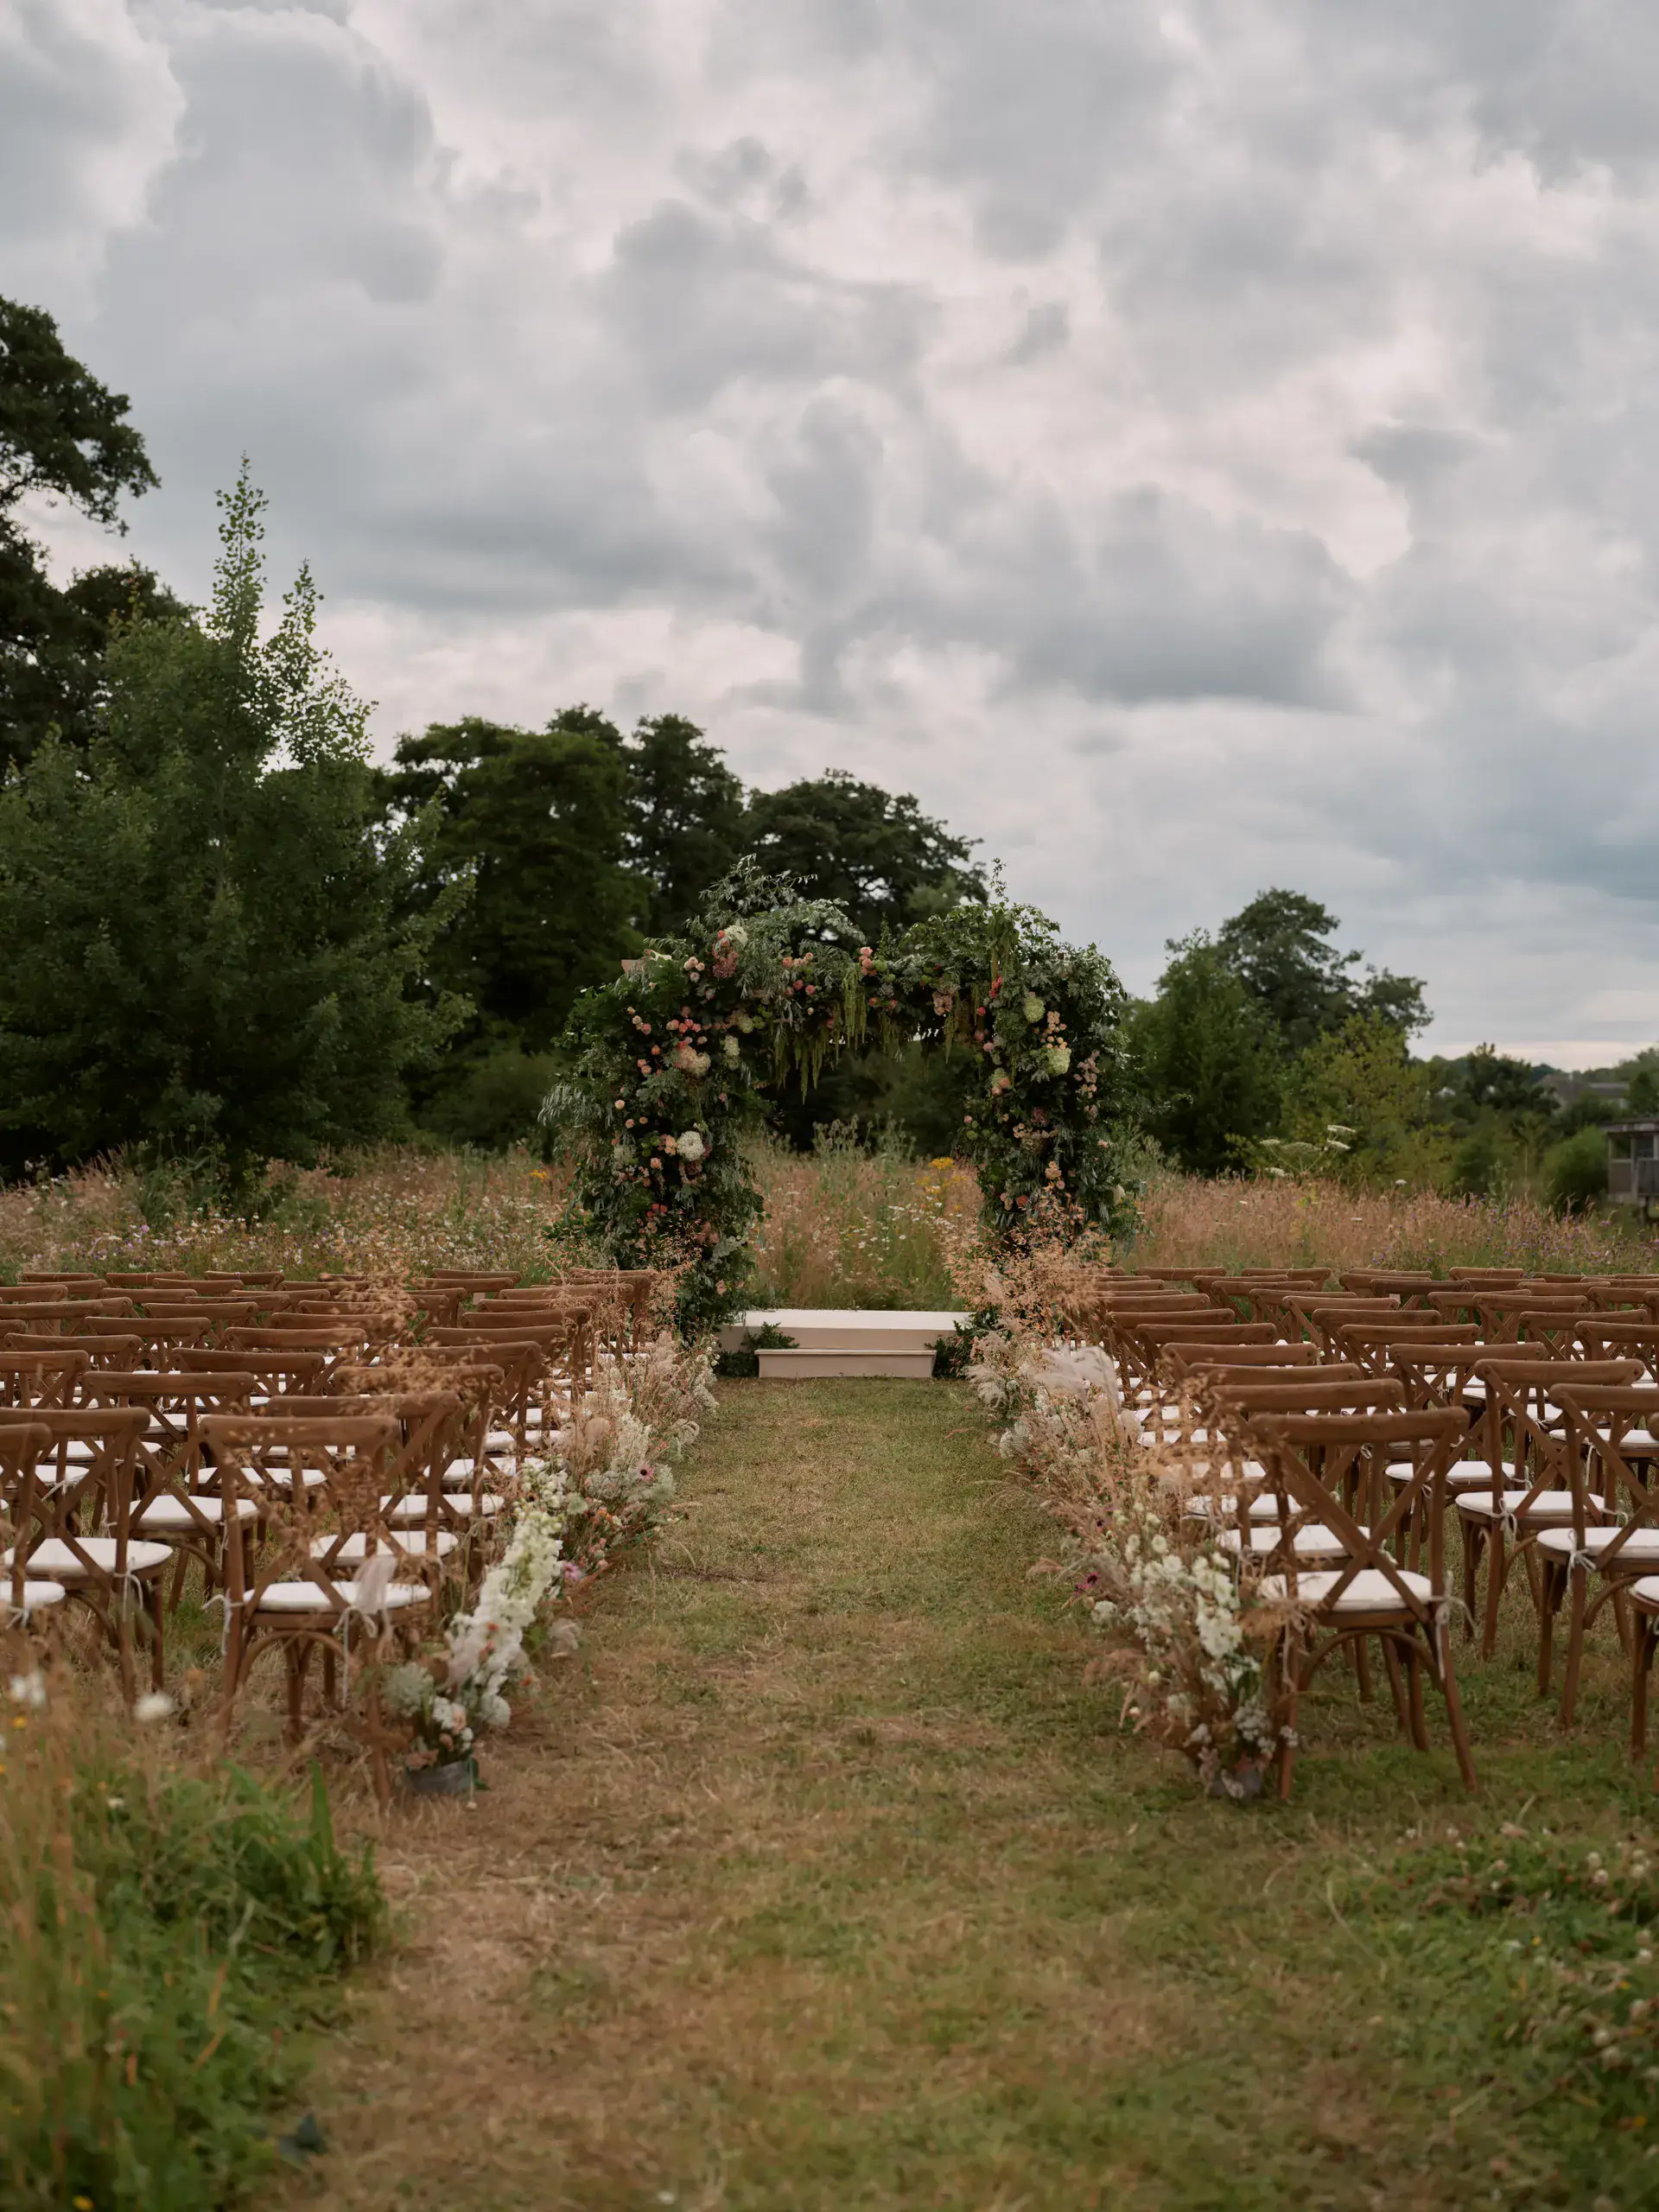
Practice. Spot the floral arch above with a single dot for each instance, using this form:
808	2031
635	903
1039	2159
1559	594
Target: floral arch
673	1062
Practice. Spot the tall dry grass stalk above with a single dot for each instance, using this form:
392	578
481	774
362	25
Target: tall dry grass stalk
1186	1221
396	1212
848	1228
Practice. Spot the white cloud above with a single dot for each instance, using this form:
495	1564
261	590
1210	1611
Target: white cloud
1193	445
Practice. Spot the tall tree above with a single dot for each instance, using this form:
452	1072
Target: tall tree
199	911
685	818
880	859
64	437
1210	1059
1279	948
538	820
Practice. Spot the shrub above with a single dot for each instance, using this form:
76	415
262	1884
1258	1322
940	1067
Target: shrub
1575	1171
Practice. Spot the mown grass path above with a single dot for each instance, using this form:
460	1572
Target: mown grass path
821	1879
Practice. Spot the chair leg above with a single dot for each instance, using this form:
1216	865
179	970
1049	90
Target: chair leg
1496	1568
157	1631
1641	1664
1363	1670
1415	1682
1391	1663
1548	1610
1579	1579
1454	1716
1472	1541
296	1654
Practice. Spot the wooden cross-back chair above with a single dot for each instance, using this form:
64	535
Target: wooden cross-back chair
1410	1285
1139	1346
1615	1335
100	1351
1318	1316
82	1530
275	1372
302	1591
1180	1356
526	1358
473	1486
43	1374
1532	1489
1613	1539
1370	1591
57	1315
176	1499
421	1531
1367	1341
1256	1298
1553	1321
24	1523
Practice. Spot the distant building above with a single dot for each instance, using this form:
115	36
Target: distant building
1633	1163
1568	1089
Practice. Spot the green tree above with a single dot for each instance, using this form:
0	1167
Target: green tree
63	436
1209	1059
1502	1117
1279	948
685	819
1575	1171
536	822
204	953
878	857
1358	1092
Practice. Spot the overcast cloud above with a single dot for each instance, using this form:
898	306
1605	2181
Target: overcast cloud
1192	445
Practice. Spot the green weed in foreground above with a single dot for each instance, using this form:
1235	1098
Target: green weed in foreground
170	1932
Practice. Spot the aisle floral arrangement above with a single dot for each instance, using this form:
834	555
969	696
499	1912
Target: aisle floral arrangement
1185	1632
607	1483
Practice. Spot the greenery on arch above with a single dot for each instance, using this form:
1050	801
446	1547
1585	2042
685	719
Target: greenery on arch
681	1055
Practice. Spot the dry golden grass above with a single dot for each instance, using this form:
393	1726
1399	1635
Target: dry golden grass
1186	1221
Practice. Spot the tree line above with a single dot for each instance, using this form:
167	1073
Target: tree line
231	936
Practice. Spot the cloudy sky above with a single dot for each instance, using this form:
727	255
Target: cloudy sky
1192	446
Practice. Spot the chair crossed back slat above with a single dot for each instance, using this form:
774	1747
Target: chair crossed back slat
1369	1342
310	1524
274	1373
1184	1355
1519	1396
40	1377
1436	1365
168	1458
100	1351
1615	1335
23	1513
1288	1444
86	1481
1509	1320
1318	1316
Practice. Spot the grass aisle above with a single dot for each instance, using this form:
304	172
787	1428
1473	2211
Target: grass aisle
821	1880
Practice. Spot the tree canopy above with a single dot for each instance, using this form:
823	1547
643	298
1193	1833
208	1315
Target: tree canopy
873	854
205	954
1279	948
63	436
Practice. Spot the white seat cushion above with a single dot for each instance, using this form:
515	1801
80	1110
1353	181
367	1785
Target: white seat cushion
1462	1474
410	1512
53	1558
358	1547
36	1595
1646	1593
1641	1443
311	1598
1640	1544
1548	1505
167	1512
283	1477
1370	1591
1314	1542
500	1439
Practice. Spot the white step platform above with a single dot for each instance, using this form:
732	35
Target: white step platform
831	1341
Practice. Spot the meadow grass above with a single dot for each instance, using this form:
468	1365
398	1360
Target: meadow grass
173	1932
828	1880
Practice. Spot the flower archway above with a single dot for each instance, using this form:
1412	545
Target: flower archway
673	1060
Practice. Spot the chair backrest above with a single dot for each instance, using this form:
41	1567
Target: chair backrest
1290	1444
1435	1366
1511	1319
1519	1391
1601	1420
168	1453
1369	1341
309	1526
1188	1354
61	1313
41	1378
101	1351
23	1515
274	1373
89	1494
1613	1335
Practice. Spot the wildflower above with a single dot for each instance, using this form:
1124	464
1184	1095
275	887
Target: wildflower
28	1689
691	1145
154	1705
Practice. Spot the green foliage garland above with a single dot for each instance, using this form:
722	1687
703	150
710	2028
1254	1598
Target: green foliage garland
674	1061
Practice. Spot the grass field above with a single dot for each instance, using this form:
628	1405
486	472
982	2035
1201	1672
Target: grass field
823	1879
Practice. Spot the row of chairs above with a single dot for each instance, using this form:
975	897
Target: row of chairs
332	1481
1335	1436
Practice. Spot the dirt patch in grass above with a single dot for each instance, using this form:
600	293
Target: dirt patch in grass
820	1879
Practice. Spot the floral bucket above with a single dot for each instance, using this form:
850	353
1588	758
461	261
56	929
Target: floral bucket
458	1778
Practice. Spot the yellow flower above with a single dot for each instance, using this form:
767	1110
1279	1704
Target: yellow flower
83	2204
